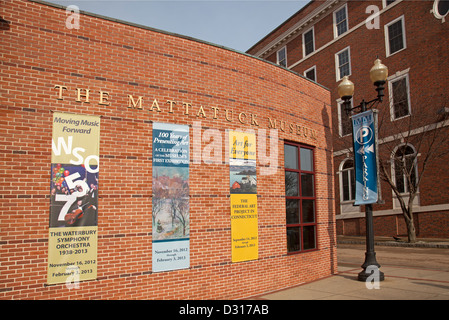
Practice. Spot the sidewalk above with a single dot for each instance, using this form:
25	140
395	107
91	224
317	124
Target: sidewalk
424	277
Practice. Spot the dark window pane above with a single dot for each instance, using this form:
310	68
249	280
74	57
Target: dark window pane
293	239
292	211
395	36
345	180
308	42
291	184
308	211
400	98
309	237
311	75
306	159
307	189
290	157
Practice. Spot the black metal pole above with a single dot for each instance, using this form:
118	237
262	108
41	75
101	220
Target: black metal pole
370	255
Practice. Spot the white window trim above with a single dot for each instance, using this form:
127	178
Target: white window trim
393	176
277	55
303	43
387	40
337	63
435	12
345	6
340	126
393	78
340	173
312	68
384	3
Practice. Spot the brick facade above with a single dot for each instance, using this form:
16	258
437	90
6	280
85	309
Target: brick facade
422	59
222	89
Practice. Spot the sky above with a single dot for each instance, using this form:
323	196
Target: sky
236	24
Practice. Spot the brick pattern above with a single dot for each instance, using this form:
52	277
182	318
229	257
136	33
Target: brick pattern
39	52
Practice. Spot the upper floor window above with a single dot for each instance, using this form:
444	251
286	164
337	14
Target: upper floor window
311	73
347	181
395	36
404	168
282	57
344	119
388	2
340	21
308	40
398	86
343	63
441	9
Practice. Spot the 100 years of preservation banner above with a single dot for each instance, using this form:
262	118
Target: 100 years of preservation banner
170	199
72	245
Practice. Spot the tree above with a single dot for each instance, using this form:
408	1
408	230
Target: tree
408	147
410	141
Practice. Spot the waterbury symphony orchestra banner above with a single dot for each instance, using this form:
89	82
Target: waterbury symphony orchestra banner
170	197
243	194
72	244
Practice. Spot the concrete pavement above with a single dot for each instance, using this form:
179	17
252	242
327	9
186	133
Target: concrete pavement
411	273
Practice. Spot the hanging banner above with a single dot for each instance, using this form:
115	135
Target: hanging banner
72	243
170	200
243	194
365	155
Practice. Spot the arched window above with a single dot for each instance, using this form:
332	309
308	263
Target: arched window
405	168
347	180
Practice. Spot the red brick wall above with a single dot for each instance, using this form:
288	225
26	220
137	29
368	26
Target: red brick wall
39	52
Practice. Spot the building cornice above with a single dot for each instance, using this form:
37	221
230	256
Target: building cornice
305	22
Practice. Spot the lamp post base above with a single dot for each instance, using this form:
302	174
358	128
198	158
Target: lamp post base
370	269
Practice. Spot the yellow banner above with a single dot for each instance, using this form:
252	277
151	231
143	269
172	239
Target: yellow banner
244	227
243	193
72	244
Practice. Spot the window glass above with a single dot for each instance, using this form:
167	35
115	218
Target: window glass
300	198
291	156
341	22
395	36
309	46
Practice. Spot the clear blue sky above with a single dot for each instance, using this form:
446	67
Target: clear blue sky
234	24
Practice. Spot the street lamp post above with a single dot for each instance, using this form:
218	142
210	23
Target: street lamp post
378	75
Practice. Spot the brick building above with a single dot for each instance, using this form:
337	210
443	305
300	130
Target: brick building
327	40
133	91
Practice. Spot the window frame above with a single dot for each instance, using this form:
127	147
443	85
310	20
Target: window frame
392	79
351	179
314	71
344	7
341	112
393	167
312	29
285	59
337	63
300	197
387	36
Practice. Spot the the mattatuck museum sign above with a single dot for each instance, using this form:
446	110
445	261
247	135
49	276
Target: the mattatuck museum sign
184	109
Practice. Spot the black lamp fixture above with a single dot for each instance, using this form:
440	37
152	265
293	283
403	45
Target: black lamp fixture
378	75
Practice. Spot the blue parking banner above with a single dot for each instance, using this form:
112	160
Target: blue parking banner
364	131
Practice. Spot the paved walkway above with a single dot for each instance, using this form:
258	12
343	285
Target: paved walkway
411	273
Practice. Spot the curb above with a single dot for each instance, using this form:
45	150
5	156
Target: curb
399	244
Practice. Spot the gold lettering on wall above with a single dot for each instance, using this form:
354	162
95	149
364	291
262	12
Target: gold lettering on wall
215	113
